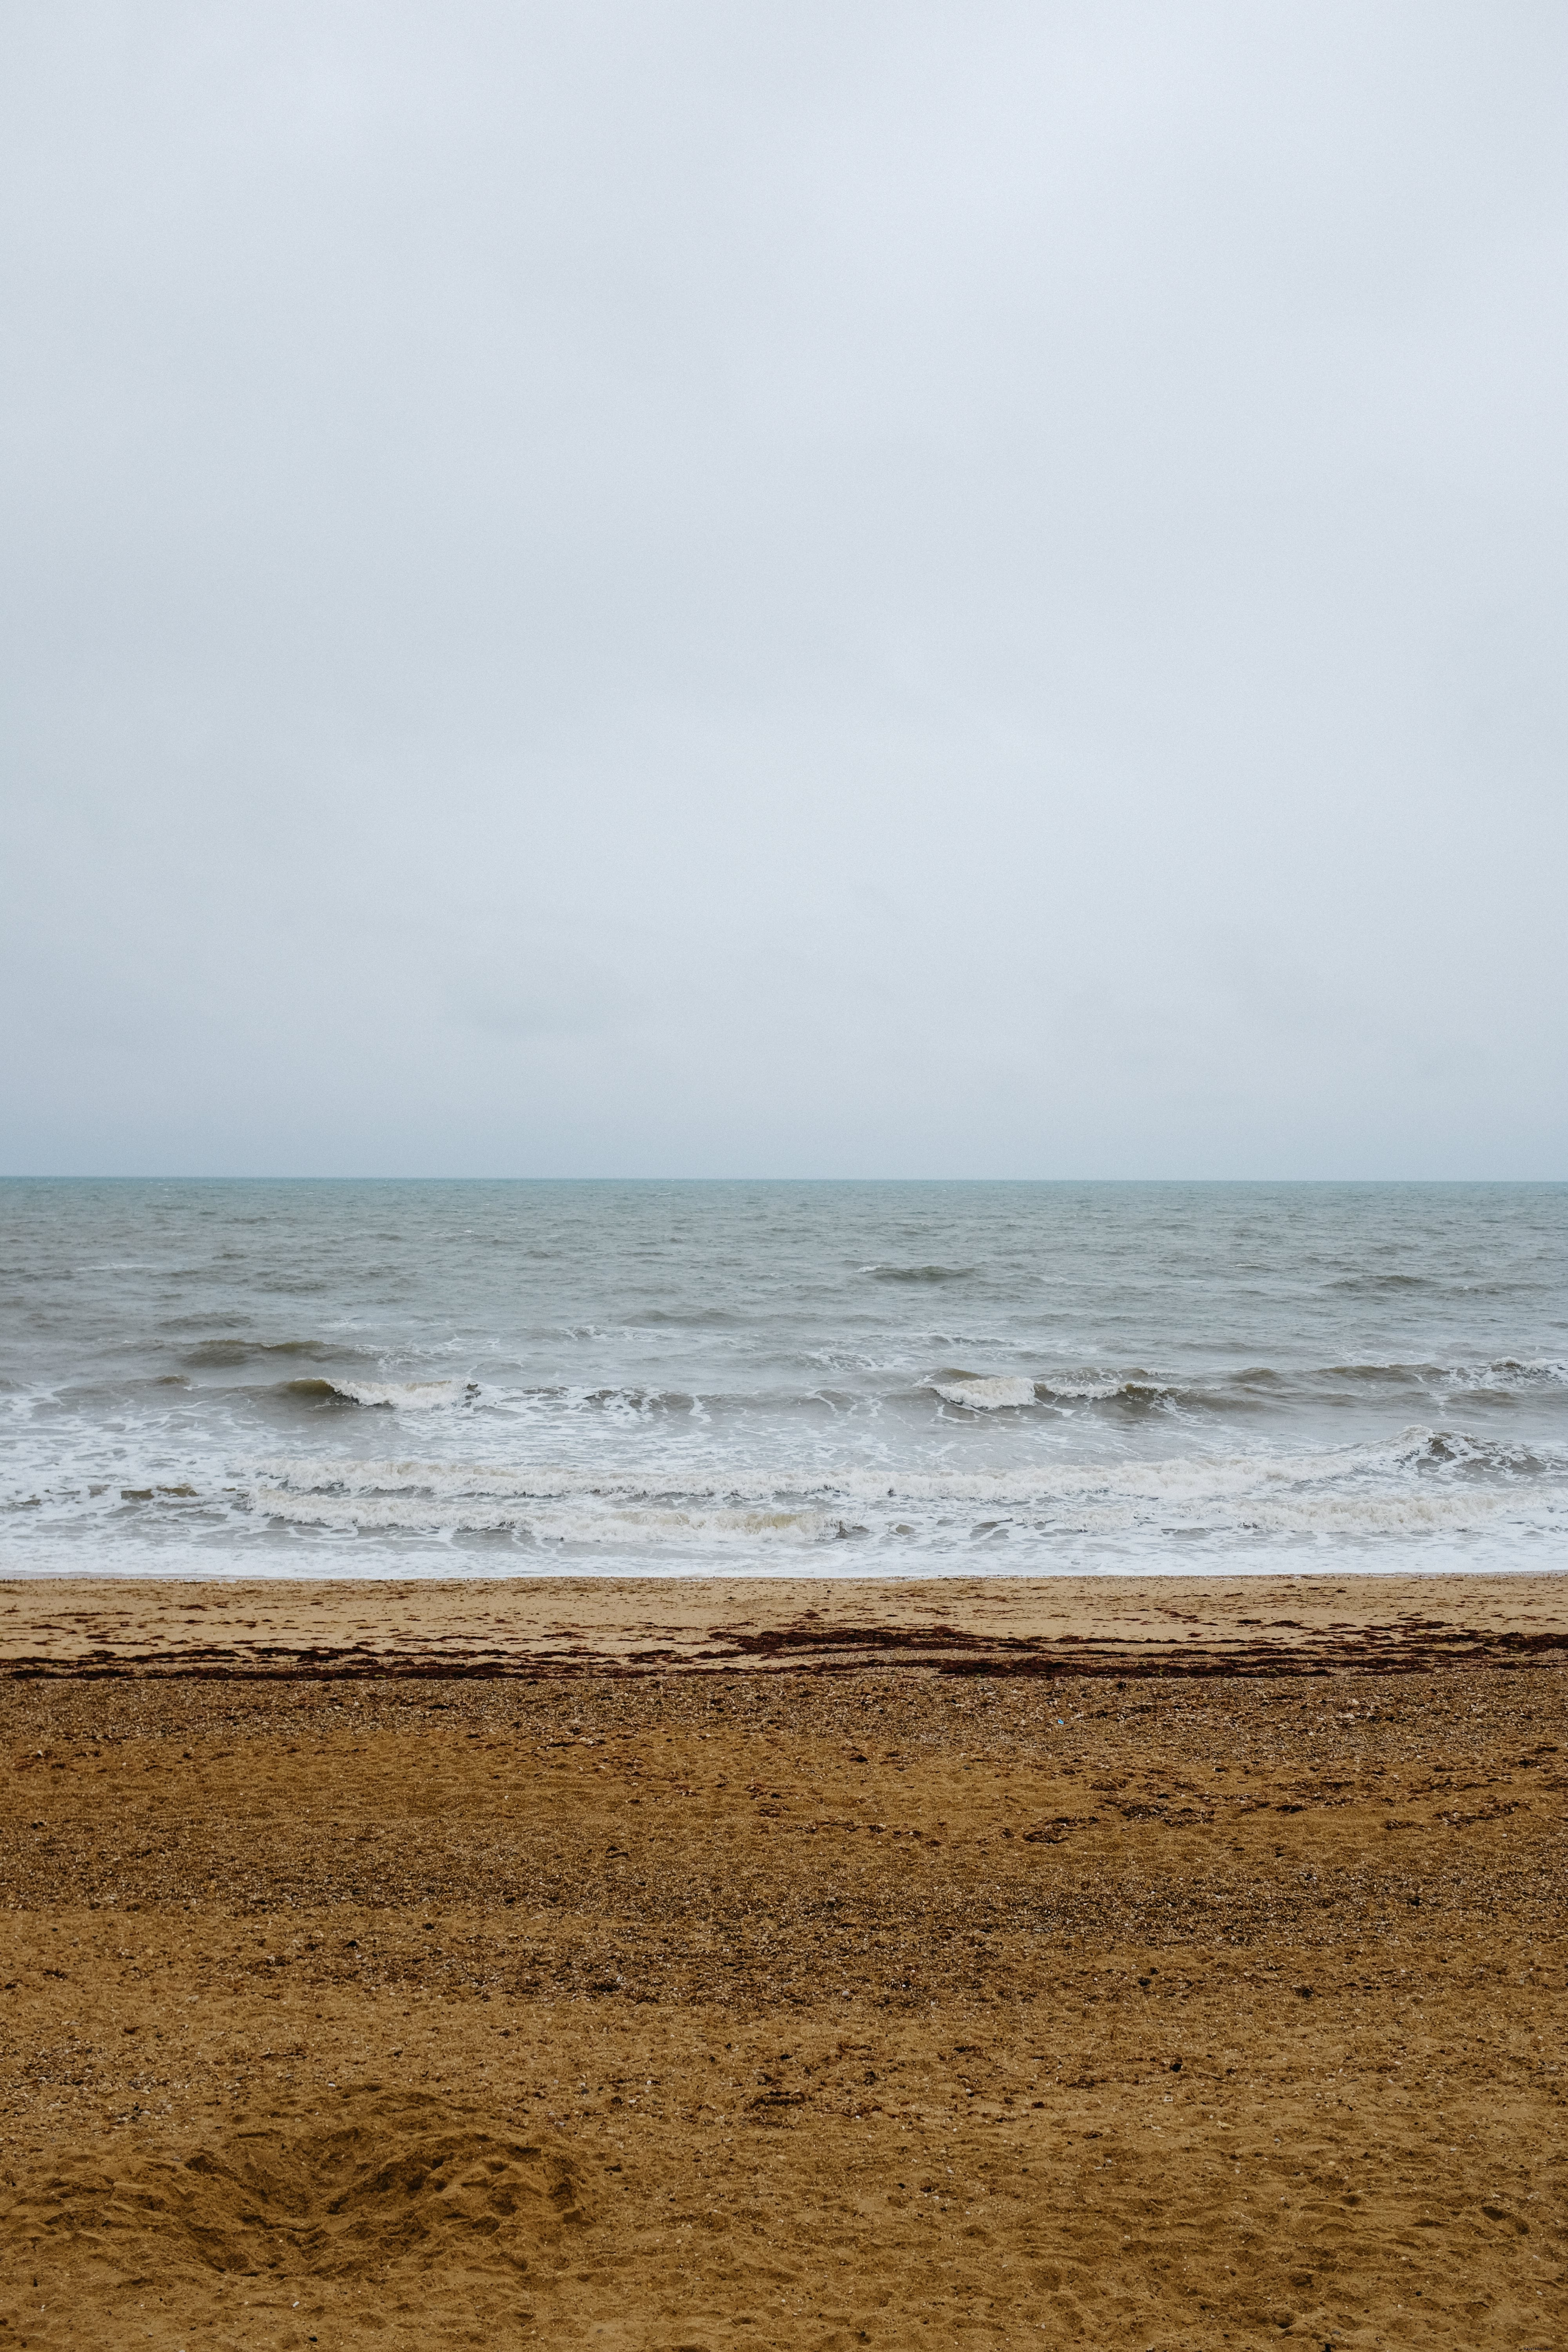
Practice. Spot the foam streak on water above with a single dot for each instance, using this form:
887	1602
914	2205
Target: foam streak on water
402	1379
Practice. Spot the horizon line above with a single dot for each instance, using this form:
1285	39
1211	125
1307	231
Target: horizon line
166	1176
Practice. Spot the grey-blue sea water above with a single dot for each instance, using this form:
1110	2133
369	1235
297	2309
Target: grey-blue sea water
390	1378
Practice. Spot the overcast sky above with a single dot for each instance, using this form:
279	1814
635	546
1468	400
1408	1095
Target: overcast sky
785	589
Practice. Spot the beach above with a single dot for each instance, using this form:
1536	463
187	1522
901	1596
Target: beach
784	1179
1152	1961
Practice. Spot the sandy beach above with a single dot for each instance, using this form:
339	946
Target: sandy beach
783	1179
1153	1962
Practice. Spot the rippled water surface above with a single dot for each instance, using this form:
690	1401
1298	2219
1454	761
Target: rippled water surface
375	1379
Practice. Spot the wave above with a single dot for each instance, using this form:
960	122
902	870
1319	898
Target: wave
1379	1286
228	1355
682	1318
400	1396
1254	1389
993	1392
1496	1372
1138	1389
633	1401
1456	1449
917	1273
1503	1376
626	1404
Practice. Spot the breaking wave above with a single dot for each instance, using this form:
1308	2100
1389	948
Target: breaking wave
1503	1376
392	1396
920	1379
982	1393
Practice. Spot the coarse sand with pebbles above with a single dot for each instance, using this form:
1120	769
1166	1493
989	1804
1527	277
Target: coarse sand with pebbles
1202	1985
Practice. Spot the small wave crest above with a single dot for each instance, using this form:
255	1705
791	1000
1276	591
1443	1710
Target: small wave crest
917	1272
1140	1390
993	1392
631	1402
1505	1373
1454	1449
395	1396
1500	1376
230	1355
1381	1286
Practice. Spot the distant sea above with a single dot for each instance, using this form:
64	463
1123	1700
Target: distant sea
391	1379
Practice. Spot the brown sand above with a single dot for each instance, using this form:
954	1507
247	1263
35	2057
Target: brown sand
1160	1964
1041	1625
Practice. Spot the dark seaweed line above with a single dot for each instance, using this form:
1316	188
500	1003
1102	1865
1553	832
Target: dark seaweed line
1416	1646
818	1651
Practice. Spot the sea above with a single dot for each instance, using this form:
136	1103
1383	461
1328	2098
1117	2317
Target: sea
345	1379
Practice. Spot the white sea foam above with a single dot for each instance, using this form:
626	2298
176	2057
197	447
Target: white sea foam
587	1520
984	1392
398	1396
1420	1480
1506	1374
921	1379
1083	1388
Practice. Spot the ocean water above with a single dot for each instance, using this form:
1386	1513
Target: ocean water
399	1378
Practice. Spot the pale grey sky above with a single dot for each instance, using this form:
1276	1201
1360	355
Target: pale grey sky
783	589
